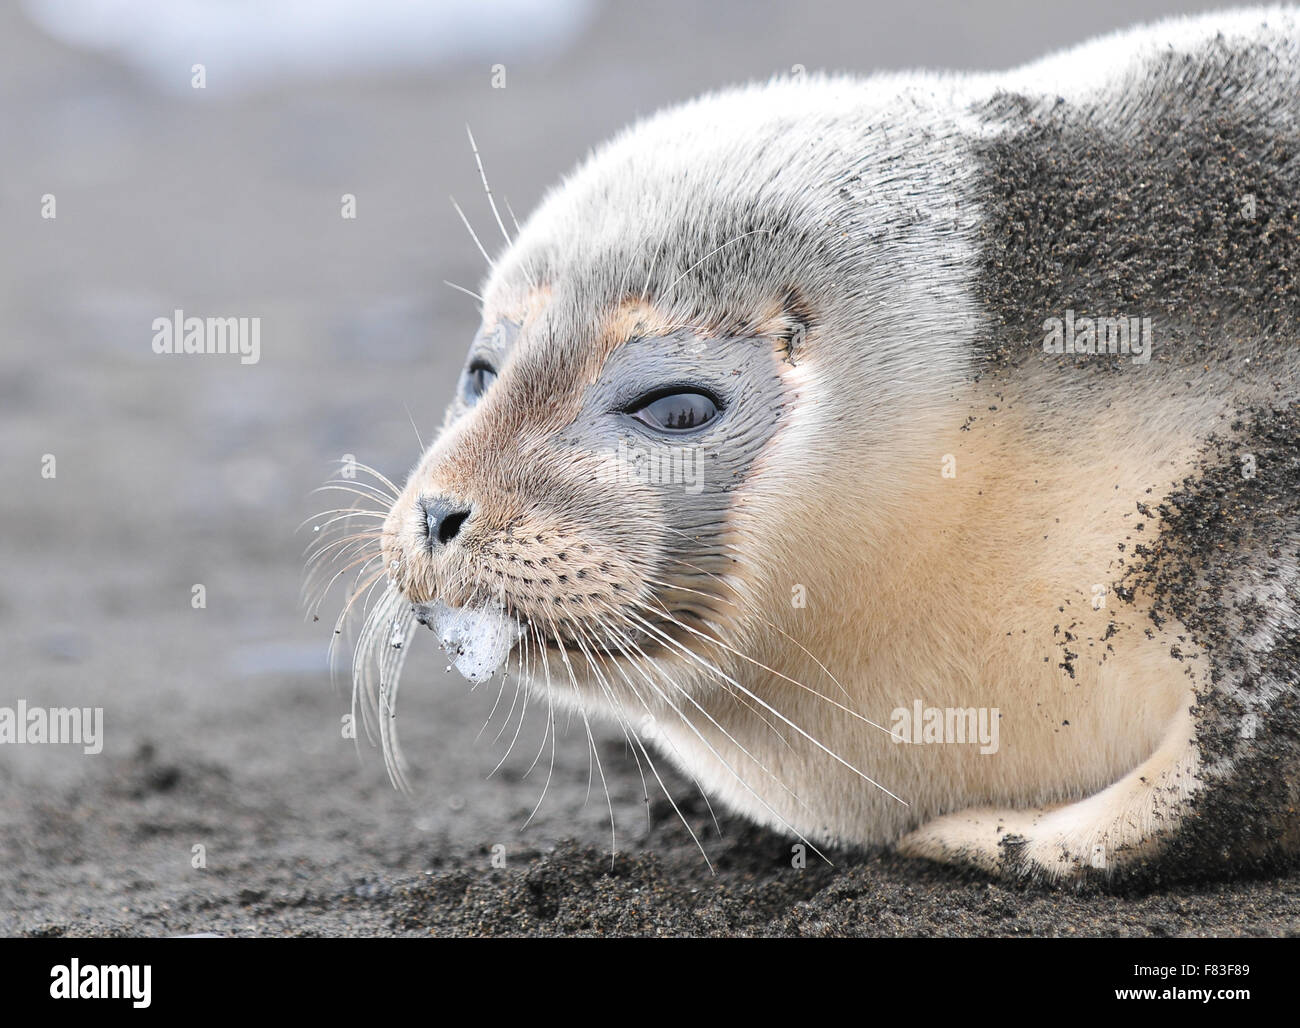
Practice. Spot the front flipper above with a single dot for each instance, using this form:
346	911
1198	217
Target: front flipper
1116	829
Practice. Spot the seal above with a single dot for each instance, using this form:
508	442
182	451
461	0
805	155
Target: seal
911	459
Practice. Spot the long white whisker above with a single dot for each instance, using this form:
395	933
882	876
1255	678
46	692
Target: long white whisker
482	175
767	706
472	234
582	710
740	780
467	292
682	762
716	250
776	628
758	663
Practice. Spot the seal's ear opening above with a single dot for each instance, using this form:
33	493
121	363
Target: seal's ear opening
798	317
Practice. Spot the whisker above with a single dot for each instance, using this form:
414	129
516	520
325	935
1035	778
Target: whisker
816	742
681	760
518	728
472	234
496	703
321	547
591	742
776	628
740	780
716	724
650	273
344	513
607	688
491	203
513	219
384	479
364	490
361	559
411	418
758	663
712	253
467	292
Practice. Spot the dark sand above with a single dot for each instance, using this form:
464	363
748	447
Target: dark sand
222	726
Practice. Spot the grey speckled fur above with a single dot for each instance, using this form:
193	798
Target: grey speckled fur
1176	195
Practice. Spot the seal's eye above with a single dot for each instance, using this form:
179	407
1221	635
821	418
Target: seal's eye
674	412
478	378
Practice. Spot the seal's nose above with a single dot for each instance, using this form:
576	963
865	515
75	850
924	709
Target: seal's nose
443	517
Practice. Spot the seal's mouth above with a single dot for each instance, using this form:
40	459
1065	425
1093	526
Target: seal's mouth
479	638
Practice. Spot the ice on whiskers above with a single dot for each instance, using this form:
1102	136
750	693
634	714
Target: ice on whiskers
478	639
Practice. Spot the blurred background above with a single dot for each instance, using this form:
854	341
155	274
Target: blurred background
222	727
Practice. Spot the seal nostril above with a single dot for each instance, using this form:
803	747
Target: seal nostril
450	526
443	518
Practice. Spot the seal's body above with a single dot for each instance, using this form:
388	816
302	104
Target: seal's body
913	458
